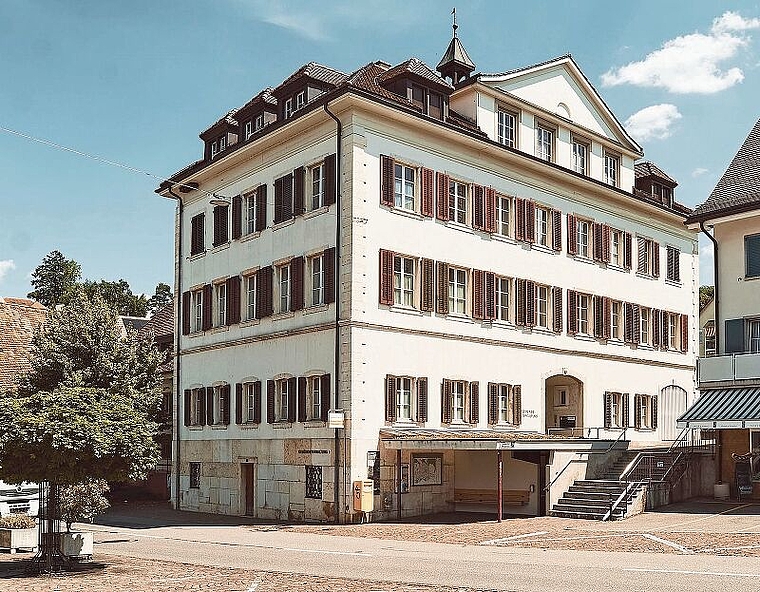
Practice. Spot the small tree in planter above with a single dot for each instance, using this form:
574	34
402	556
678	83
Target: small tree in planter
83	501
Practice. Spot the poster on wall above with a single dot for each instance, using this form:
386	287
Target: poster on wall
427	469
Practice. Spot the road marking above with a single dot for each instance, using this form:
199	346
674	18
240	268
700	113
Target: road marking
514	538
676	546
359	553
693	573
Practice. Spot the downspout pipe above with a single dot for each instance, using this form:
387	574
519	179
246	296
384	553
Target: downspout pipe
716	295
336	354
177	336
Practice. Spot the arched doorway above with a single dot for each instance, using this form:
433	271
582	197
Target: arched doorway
671	406
564	405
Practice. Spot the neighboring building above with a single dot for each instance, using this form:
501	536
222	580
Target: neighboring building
19	319
506	277
131	323
707	329
729	382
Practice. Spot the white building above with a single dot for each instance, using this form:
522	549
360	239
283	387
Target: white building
493	255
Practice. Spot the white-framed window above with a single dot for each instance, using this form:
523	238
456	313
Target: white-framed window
300	99
249	402
672	330
249	209
506	128
196	405
544	143
221	304
646	256
457	291
222	143
582	313
259	122
282	399
288	108
611	169
616	320
197	309
503	215
219	401
403	281
616	248
248	129
582	237
502	298
616	410
644	319
505	416
404	186
283	283
753	335
645	412
542	306
317	184
315	398
542	226
250	297
317	275
458	396
580	157
214	148
458	202
404	398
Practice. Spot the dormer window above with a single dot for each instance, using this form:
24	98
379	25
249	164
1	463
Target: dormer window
259	122
435	108
222	143
288	108
300	100
214	148
248	129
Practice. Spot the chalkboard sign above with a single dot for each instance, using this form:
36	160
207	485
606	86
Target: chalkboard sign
743	479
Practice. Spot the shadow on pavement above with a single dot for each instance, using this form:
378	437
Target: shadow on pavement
707	506
19	568
156	514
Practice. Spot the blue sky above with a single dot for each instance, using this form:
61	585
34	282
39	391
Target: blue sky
135	82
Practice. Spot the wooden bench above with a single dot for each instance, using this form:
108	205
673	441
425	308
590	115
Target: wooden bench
510	497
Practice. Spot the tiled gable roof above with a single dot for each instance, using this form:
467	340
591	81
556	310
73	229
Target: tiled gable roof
649	169
161	324
317	72
739	188
417	67
265	96
19	318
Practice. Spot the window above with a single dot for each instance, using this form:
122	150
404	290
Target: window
435	105
646	413
197	234
418	96
195	475
611	169
222	143
561	397
317	274
250	212
317	180
752	255
506	128
582	313
248	129
542	226
313	482
505	415
616	318
283	282
221	304
259	122
403	281
288	108
403	398
674	264
219	405
503	214
458	390
648	257
214	148
458	202
544	143
197	308
250	297
672	330
502	298
580	157
249	402
282	400
300	99
616	410
315	398
404	183
542	306
197	407
457	291
582	237
616	246
644	325
753	335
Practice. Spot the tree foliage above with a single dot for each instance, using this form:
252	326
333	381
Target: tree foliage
706	294
83	501
119	296
55	280
162	296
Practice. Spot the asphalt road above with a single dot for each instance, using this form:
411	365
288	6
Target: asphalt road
474	566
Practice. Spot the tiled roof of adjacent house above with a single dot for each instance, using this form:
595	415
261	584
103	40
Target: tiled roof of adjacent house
133	323
160	324
739	188
647	168
318	72
417	67
19	318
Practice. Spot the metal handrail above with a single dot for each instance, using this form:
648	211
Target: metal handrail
619	500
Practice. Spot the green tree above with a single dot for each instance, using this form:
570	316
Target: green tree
83	501
706	294
55	279
162	296
119	296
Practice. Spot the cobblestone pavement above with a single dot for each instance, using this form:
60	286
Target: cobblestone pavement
114	574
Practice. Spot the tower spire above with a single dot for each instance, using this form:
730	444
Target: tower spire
454	25
455	64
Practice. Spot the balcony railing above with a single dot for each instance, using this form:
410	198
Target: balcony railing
745	366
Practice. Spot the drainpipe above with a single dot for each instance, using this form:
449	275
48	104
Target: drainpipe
716	295
178	334
336	456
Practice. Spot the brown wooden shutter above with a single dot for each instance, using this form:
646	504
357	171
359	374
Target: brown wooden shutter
426	292
519	219
530	221
654	412
302	393
572	312
239	403
226	404
598	316
636	337
422	399
572	235
493	403
264	292
297	283
637	411
330	285
324	407
442	197
185	313
530	303
386	277
278	198
490	225
287	197
257	402
628	327
197	234
490	295
201	406
207	306
641	245
655	259
427	192
664	329
270	401
221	228
520	303
446	401
684	333
210	405
516	404
186	408
608	318
478	207
627	251
626	409
478	306
598	242
237	217
557	230
557	309
233	300
261	208
390	398
442	296
299	190
387	180
656	328
606	232
474	402
607	410
292	394
331	182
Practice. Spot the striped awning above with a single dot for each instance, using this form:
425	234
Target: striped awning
731	408
709	331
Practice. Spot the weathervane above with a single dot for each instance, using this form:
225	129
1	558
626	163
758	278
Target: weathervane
455	26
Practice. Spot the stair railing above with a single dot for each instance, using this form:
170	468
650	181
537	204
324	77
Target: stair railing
619	500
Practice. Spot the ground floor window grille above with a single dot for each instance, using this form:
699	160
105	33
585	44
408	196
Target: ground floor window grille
314	482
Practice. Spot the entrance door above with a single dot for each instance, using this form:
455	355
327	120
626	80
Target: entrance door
672	405
249	483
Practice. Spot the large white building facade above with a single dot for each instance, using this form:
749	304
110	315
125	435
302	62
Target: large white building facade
504	279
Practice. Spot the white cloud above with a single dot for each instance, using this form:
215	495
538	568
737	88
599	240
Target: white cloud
6	266
691	63
698	172
653	123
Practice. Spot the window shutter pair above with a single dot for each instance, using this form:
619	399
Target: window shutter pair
330	285
237	217
493	403
264	292
484	208
673	264
557	230
387	181
221	229
207	307
233	300
572	235
572	312
525	299
296	283
557	309
331	182
239	403
478	293
447	401
442	295
474	402
283	198
525	220
299	190
421	408
627	250
442	201
426	295
684	333
261	208
386	277
655	259
516	405
598	241
598	316
197	234
185	313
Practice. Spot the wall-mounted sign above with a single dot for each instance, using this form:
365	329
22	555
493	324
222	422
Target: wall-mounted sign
336	419
372	457
530	413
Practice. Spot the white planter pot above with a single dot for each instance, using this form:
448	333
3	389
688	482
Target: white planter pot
18	538
722	491
76	544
